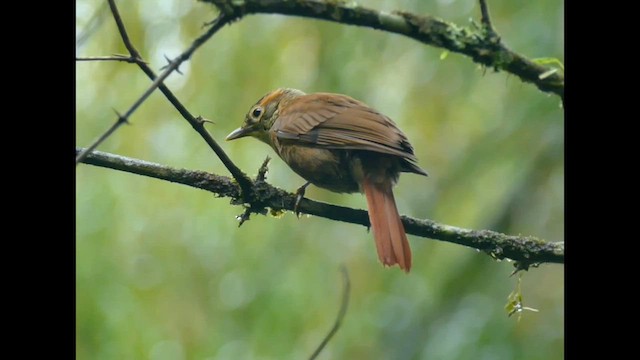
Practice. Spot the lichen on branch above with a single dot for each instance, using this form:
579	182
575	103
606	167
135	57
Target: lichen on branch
525	250
479	42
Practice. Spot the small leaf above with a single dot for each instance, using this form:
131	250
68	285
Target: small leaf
548	61
514	301
444	54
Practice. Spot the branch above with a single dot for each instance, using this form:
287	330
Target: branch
482	45
196	123
525	250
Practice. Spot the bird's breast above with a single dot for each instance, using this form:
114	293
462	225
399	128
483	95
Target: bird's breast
325	168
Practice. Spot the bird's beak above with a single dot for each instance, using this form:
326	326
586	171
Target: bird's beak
238	133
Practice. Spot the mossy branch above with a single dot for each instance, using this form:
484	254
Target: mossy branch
525	250
479	42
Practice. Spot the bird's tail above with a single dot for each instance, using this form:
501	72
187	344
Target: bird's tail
388	231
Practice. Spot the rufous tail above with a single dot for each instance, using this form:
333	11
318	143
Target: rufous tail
388	231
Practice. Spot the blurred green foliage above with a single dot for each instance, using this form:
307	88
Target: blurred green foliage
163	271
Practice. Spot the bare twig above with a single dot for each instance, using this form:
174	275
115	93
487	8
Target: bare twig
196	123
119	122
251	207
346	289
523	249
135	54
123	30
264	168
481	46
484	14
122	58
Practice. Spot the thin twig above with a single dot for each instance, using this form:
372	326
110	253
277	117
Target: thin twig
123	30
264	168
84	153
122	58
346	289
142	98
196	123
484	15
250	208
523	249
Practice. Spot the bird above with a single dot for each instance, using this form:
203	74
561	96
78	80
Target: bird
338	143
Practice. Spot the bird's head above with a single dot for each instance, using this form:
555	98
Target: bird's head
263	114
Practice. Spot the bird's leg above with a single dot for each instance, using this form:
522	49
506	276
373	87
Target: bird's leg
299	195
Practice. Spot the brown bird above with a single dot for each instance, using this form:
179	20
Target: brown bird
338	143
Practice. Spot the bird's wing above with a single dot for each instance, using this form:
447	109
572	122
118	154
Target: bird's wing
340	122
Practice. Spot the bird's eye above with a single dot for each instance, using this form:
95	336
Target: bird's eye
255	113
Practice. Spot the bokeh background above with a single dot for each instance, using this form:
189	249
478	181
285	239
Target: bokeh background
164	272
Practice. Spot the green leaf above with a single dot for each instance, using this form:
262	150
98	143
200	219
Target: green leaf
514	301
549	61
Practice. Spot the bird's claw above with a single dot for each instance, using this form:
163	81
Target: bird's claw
299	196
